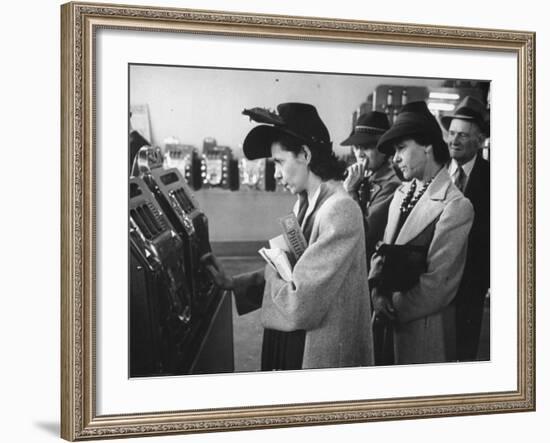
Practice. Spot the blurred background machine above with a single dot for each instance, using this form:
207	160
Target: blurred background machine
180	323
391	98
218	167
258	174
186	159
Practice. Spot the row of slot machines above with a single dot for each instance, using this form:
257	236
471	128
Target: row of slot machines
216	167
180	322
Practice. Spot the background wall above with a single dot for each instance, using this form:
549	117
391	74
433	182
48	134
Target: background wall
193	103
29	221
172	94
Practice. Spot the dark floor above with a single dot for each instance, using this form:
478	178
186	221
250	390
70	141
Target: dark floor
247	330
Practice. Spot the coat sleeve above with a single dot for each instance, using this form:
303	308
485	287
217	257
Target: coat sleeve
446	257
318	274
248	290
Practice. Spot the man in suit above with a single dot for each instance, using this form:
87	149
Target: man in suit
467	130
371	180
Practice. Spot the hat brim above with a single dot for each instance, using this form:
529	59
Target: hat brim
257	144
396	132
361	139
447	119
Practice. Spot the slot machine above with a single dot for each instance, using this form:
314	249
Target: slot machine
160	300
186	159
175	196
209	340
219	169
258	174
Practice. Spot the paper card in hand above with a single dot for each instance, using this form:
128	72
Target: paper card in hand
278	260
294	237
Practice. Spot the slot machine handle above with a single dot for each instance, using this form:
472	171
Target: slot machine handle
184	315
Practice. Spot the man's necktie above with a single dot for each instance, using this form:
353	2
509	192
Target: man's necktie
460	178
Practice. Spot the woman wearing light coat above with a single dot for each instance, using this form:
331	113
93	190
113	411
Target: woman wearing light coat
429	211
320	318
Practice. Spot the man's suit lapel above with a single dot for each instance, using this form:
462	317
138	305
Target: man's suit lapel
381	175
428	208
374	189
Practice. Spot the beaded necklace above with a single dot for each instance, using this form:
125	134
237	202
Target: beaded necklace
411	199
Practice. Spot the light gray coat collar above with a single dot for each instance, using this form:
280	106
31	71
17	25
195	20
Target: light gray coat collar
428	208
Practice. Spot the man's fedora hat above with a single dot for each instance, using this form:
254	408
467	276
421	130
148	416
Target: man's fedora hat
368	128
297	120
414	119
469	109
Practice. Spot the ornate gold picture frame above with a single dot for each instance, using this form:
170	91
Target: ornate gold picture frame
79	393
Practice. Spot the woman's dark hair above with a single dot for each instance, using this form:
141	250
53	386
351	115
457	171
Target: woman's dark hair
324	162
440	148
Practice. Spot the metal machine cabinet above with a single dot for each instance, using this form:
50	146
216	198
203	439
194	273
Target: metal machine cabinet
177	315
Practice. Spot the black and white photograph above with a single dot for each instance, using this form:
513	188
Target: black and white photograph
273	219
287	220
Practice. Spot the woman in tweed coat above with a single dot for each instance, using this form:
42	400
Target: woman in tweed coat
320	318
427	211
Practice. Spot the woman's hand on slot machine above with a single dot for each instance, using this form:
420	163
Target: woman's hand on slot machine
216	271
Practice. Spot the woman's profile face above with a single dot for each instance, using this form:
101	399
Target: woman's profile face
410	158
291	170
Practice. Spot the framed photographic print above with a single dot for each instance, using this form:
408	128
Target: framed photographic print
171	196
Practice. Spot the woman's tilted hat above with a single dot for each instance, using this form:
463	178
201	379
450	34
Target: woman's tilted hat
414	119
368	129
298	120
